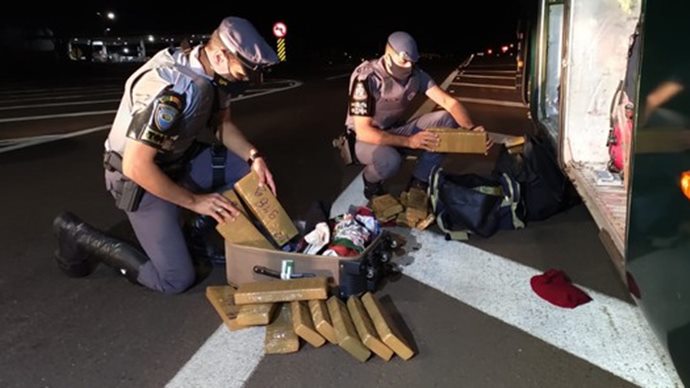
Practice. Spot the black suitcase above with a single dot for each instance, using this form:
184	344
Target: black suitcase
347	275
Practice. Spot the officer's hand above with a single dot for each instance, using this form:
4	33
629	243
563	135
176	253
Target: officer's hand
216	206
424	140
265	177
489	140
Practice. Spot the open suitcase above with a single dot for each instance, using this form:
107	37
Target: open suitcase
347	275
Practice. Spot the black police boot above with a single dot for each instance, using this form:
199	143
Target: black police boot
203	241
372	190
78	242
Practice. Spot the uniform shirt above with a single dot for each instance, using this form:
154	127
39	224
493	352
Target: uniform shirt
168	103
375	93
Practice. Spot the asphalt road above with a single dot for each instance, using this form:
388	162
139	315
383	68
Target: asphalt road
102	331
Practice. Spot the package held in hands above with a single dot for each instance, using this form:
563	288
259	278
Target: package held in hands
457	140
264	205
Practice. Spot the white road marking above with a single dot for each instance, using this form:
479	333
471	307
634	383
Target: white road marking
481	71
57	90
606	332
292	85
225	360
489	86
57	116
53	104
485	101
337	76
62	97
486	76
18	143
429	105
27	142
353	195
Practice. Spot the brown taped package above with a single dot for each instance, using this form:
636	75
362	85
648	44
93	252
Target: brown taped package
458	140
280	337
365	329
386	207
303	325
386	328
282	291
345	331
417	206
222	299
255	314
241	230
322	320
266	208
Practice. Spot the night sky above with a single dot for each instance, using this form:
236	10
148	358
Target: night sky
354	26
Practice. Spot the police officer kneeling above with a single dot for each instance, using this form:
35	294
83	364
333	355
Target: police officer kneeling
156	162
381	91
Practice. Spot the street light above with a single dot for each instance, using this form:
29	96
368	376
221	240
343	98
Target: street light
106	18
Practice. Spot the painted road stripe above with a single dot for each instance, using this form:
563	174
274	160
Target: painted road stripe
225	360
293	84
486	76
484	101
59	104
49	138
429	105
57	116
61	97
481	71
30	141
58	90
489	86
606	332
331	78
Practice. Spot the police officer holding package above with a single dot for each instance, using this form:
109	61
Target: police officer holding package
156	163
381	90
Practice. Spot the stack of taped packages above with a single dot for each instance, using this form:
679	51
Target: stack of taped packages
411	211
293	307
263	224
300	309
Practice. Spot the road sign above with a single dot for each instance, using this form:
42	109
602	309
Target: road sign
279	30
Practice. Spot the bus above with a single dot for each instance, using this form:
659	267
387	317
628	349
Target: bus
615	73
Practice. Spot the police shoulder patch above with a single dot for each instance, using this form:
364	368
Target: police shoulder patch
167	111
359	93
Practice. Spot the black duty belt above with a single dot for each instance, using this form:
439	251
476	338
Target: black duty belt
112	161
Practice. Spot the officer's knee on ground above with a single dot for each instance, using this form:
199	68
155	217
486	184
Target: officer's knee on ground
178	283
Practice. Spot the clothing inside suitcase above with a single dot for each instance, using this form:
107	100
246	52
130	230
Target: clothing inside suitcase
347	275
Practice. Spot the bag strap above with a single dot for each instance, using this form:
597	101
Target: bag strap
459	235
509	200
433	188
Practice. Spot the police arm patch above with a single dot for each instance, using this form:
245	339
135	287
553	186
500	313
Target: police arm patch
167	111
157	125
360	99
